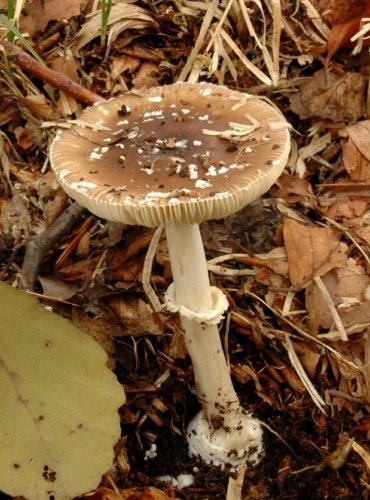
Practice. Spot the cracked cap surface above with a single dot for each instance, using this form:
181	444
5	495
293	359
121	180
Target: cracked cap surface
177	154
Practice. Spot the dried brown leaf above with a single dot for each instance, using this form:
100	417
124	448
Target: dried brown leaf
293	189
122	63
66	65
338	11
347	287
146	76
79	270
312	251
288	373
102	326
136	315
57	289
15	218
356	151
38	106
40	13
331	97
364	233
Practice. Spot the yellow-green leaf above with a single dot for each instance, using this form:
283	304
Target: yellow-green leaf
58	403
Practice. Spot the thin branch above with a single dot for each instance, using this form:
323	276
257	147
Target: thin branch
38	246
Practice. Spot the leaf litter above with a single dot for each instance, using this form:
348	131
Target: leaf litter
295	265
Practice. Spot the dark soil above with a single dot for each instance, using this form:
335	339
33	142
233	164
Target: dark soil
298	461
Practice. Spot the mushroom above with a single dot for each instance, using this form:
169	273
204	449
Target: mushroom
176	156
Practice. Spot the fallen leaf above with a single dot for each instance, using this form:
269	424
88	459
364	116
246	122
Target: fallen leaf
123	63
312	251
356	151
367	366
59	414
135	244
338	11
293	189
102	326
364	233
25	139
341	34
15	218
38	106
136	315
276	260
347	287
309	360
146	76
351	377
364	454
345	198
51	197
79	270
129	272
346	208
40	13
332	97
57	289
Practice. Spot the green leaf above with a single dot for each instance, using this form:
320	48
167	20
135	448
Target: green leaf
59	401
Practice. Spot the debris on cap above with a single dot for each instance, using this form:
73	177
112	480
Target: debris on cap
177	154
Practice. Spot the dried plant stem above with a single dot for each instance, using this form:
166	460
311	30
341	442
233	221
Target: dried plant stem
235	486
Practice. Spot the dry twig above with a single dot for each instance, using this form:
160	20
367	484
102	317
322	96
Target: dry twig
39	245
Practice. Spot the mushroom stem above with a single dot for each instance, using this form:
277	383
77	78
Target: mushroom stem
192	288
189	266
226	431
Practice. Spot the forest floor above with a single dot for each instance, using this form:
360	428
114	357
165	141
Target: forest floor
298	269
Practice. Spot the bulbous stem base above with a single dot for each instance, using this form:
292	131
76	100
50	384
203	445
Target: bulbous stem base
235	446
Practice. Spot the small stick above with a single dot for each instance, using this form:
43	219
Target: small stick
40	244
56	79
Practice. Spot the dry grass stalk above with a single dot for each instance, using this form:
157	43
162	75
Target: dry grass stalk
235	486
148	263
306	335
315	396
212	6
336	318
219	35
316	19
247	63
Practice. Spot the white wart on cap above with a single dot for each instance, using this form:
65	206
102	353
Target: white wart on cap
177	154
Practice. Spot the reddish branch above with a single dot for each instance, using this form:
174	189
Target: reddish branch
57	80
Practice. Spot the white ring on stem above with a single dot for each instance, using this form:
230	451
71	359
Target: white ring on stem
210	317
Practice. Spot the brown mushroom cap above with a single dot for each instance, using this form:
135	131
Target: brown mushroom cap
177	154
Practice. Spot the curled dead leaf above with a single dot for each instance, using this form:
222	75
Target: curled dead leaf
39	13
338	11
356	156
346	287
312	251
331	97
